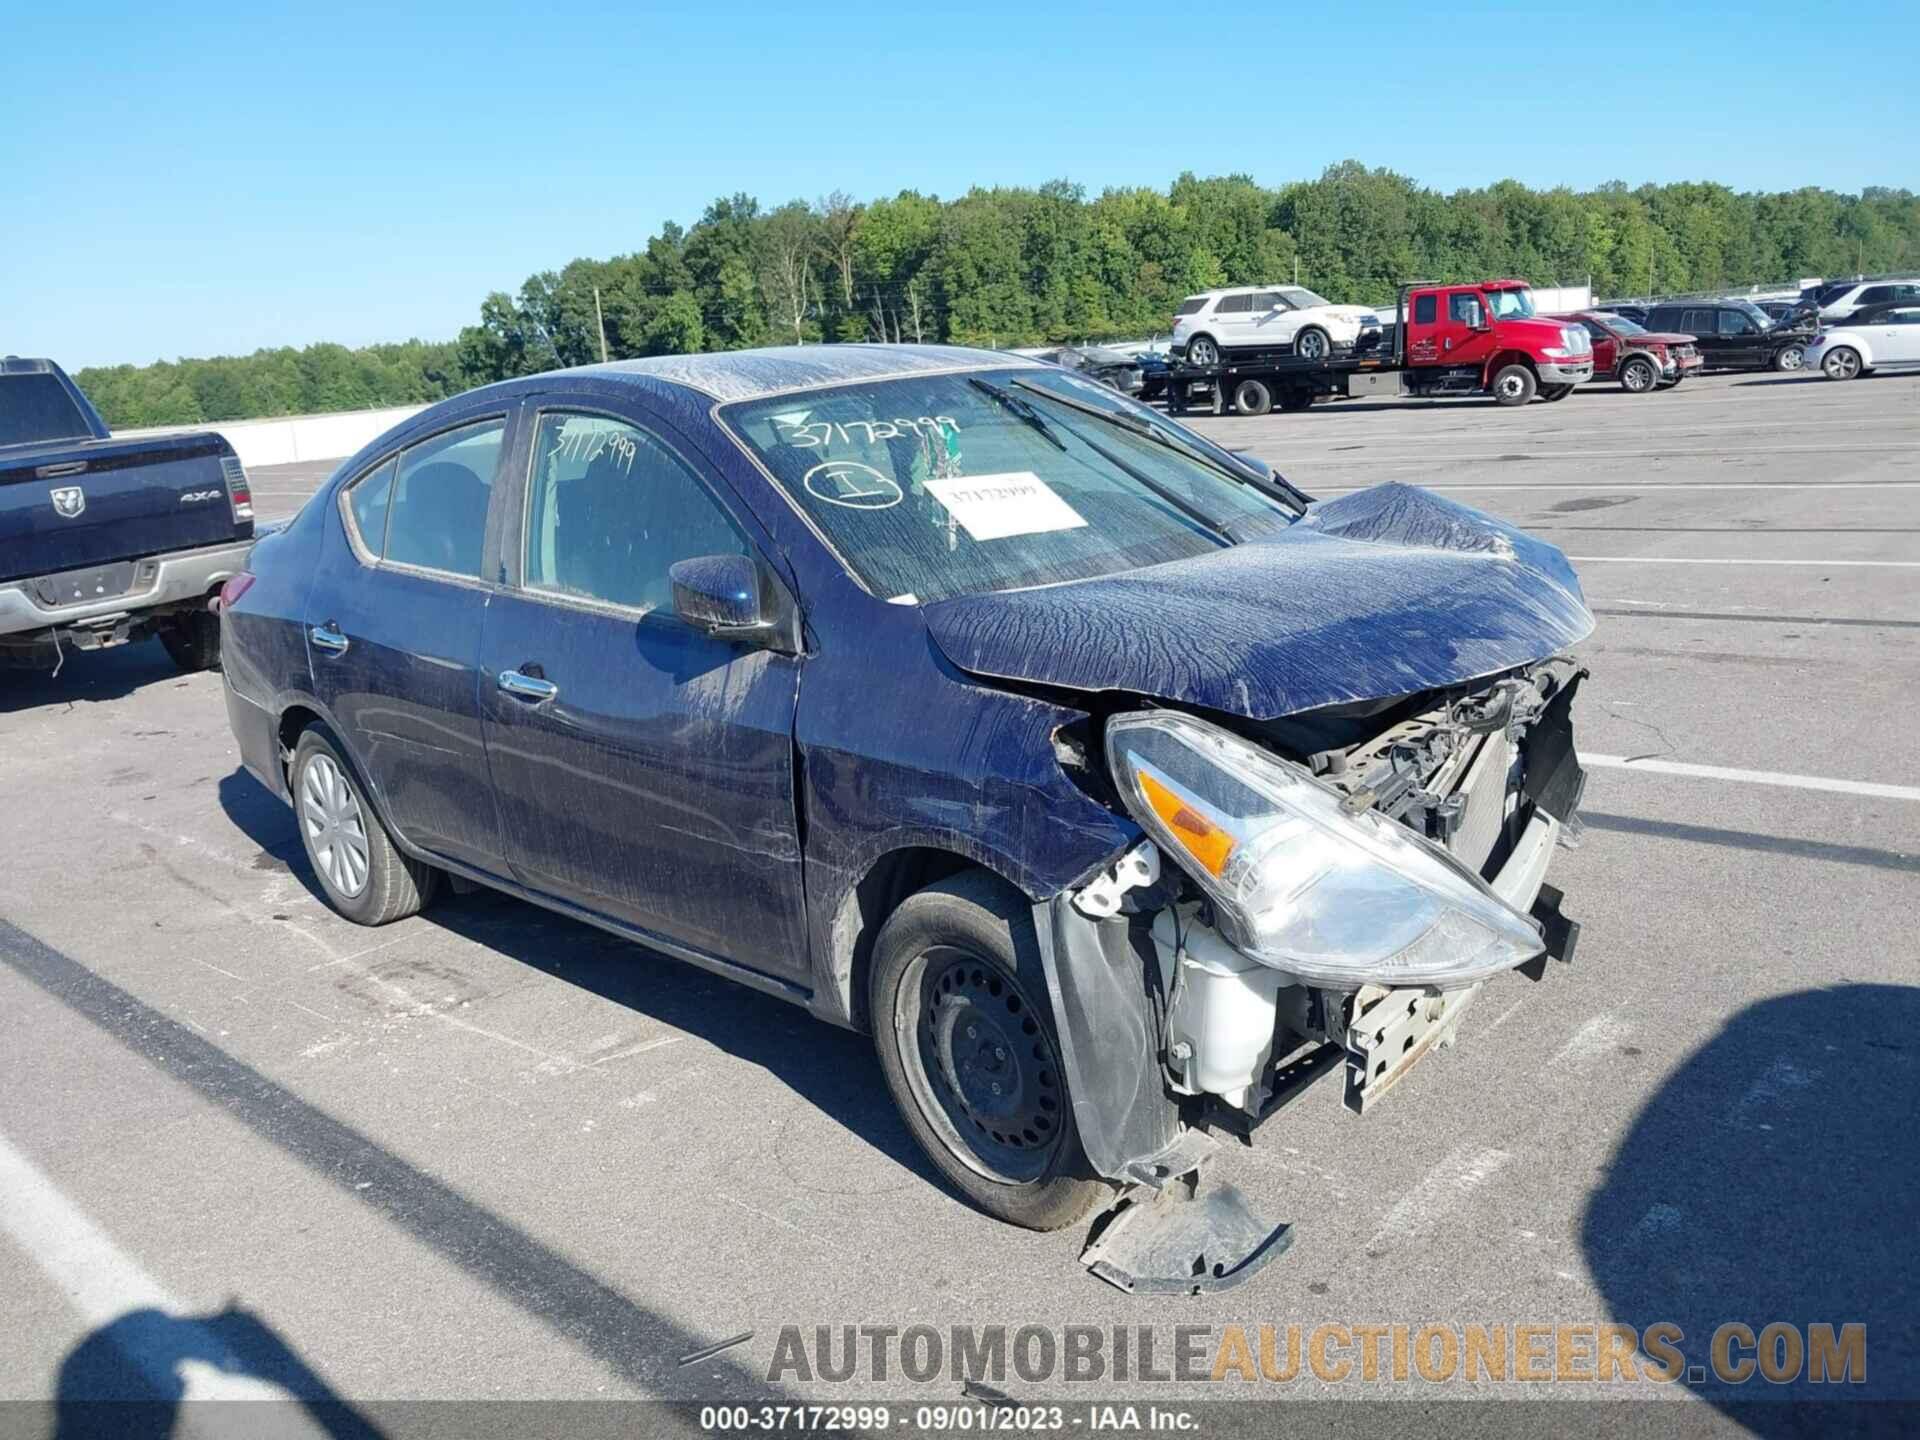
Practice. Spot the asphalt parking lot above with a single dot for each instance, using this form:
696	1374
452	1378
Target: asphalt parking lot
488	1152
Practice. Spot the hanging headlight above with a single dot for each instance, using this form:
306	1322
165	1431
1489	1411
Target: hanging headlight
1299	884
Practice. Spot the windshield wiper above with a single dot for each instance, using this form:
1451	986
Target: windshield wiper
1279	489
1021	410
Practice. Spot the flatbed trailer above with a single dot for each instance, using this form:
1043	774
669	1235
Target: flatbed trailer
1452	343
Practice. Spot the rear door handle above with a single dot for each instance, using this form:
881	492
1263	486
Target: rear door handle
329	638
527	687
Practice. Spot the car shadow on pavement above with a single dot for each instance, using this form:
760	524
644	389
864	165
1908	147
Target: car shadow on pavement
90	676
832	1069
139	1376
1772	1178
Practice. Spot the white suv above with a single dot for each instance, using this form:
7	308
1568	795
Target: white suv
1265	317
1839	300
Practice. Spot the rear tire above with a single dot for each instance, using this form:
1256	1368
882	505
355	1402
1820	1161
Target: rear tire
1202	351
192	640
1638	377
361	872
1312	343
1250	397
1515	385
965	1035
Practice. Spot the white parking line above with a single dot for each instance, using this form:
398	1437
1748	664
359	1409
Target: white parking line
1716	560
103	1284
1752	777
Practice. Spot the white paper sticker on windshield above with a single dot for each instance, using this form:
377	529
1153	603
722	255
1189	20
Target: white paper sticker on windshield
992	507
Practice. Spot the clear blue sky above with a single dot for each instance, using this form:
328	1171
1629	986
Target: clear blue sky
225	177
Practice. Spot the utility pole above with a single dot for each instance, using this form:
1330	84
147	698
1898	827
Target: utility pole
600	322
1296	269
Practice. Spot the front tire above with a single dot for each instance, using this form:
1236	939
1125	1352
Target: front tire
362	873
1790	358
1638	377
966	1040
1312	343
1202	351
1515	385
192	640
1841	363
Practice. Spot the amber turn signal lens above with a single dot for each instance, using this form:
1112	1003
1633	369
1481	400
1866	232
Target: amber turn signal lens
1205	841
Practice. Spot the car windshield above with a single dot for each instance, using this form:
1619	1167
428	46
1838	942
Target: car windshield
943	485
1512	304
1621	325
1301	299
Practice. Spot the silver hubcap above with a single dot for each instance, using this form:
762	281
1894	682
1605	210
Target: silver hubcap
336	830
1842	364
1792	359
1638	377
1201	352
1312	345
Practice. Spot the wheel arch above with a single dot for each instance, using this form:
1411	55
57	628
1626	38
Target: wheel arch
865	905
1503	358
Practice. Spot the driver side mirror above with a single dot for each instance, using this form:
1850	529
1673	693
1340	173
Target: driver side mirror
1482	319
720	594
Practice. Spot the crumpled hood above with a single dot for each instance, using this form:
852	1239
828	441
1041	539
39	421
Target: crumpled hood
1660	337
1374	595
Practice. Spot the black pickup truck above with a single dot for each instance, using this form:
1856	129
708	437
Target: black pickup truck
106	540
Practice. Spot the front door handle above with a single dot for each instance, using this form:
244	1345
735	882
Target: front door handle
527	687
328	638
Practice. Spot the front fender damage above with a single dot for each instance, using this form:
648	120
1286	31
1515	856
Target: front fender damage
1173	1230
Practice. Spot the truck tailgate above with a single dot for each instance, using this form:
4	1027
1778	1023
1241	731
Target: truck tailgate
70	505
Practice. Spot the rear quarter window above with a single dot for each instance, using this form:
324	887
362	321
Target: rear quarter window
1192	305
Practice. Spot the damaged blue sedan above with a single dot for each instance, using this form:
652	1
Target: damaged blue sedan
1118	789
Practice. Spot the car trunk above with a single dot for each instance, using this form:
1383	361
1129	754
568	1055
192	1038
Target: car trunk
74	504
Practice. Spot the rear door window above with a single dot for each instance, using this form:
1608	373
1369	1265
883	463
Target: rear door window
1234	305
1698	322
437	518
1426	309
610	508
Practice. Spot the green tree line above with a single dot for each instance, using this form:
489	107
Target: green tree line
1020	266
316	380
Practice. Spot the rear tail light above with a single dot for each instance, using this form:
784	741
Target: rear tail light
239	491
236	586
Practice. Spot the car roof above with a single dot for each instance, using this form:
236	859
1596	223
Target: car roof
775	370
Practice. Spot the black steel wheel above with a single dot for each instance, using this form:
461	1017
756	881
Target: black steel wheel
966	1040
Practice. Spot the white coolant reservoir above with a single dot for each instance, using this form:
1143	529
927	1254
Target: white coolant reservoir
1221	1020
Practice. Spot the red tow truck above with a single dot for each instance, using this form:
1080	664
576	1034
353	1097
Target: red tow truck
1483	338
